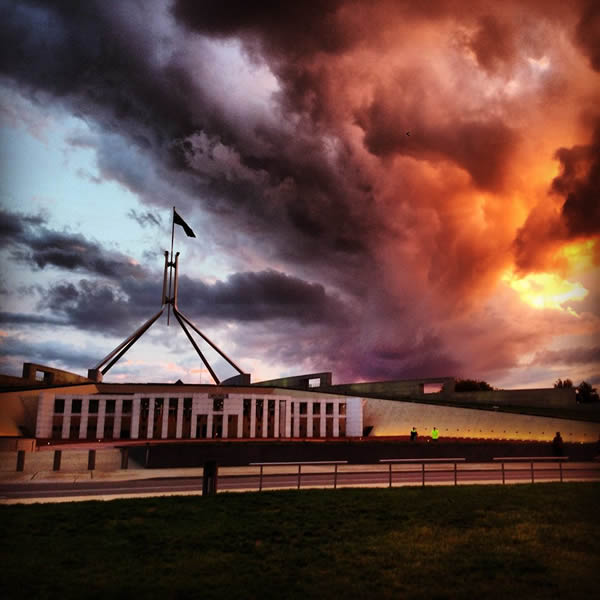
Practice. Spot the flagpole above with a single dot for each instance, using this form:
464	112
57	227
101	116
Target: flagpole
171	263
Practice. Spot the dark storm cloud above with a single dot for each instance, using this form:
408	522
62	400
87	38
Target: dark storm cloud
493	44
15	226
145	219
261	296
100	306
568	356
296	178
297	28
482	147
8	318
588	32
579	183
579	216
41	247
244	297
55	352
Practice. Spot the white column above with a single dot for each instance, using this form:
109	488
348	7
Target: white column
225	424
265	418
150	429
85	413
101	419
64	433
118	417
179	429
195	410
209	423
336	419
288	418
253	417
296	419
309	418
276	417
165	418
135	418
323	423
240	431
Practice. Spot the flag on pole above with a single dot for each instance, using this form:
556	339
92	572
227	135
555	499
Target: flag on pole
179	221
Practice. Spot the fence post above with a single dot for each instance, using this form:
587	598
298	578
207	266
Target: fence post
260	479
91	460
335	477
455	475
299	474
560	470
503	481
20	460
532	478
390	465
423	474
124	458
57	459
210	476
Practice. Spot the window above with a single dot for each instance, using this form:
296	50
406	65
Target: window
172	406
342	408
127	406
218	404
314	382
59	406
110	406
302	408
329	408
247	406
317	408
94	406
76	407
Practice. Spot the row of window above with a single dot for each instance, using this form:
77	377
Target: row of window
218	406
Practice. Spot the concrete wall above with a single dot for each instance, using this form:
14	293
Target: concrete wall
50	375
19	408
392	389
547	397
391	418
71	461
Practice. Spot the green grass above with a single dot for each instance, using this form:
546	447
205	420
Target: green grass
518	541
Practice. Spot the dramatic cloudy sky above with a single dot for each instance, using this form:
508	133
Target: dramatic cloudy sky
383	189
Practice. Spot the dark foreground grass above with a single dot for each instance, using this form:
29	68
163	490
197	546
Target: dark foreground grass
525	541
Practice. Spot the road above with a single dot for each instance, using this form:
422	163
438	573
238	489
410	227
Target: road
363	476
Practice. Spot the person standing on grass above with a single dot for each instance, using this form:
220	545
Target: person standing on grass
413	434
435	434
557	444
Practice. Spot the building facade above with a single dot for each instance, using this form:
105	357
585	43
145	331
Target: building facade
156	415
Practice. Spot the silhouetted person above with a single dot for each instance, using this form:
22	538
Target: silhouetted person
557	445
413	434
435	434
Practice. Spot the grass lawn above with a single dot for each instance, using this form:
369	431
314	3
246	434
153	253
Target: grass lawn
517	541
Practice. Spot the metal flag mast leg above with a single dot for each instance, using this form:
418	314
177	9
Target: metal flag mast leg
168	299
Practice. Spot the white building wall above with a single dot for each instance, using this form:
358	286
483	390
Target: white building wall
118	417
354	417
101	419
66	419
135	417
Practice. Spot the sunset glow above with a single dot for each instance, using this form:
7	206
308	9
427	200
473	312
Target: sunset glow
546	290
